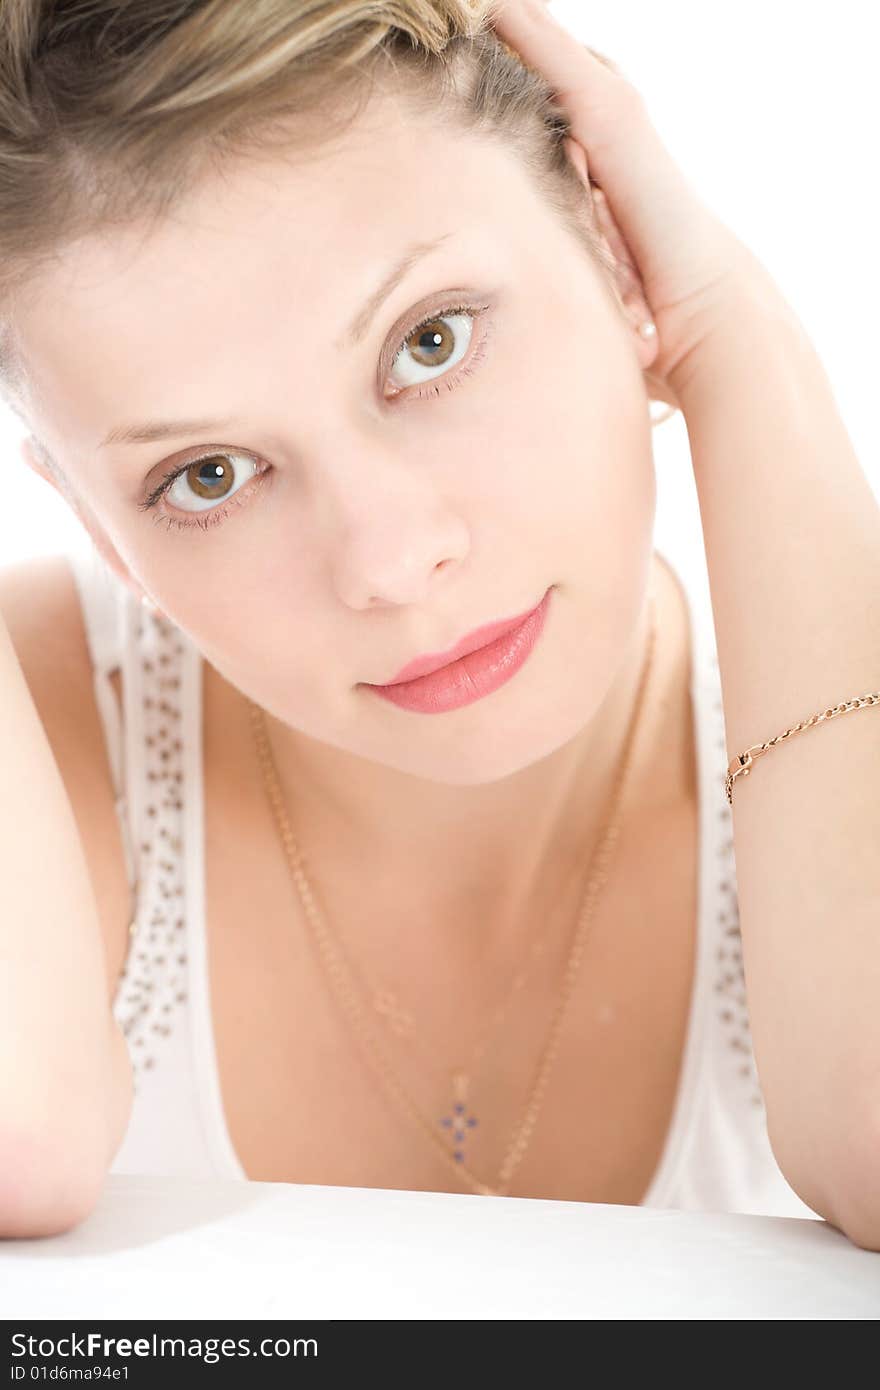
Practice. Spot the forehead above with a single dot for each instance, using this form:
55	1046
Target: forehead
281	219
262	253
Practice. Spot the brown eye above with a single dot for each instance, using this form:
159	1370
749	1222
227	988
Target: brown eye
432	349
210	479
433	345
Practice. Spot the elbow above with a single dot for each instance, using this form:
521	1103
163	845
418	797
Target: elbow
46	1189
858	1204
844	1189
52	1171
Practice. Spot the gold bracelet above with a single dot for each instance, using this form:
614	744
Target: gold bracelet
741	765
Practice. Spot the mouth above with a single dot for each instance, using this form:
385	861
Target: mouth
473	641
482	666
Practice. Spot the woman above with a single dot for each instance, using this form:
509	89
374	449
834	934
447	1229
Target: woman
337	326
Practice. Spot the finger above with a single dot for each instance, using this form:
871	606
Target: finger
571	68
647	191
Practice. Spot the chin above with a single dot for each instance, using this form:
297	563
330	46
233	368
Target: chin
489	754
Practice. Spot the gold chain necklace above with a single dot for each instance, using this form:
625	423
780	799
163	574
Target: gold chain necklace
400	1021
341	974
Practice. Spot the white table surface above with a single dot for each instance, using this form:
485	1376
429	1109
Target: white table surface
186	1248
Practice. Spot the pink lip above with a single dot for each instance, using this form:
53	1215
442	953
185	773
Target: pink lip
476	671
471	642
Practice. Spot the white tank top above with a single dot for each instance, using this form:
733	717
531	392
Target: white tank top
717	1154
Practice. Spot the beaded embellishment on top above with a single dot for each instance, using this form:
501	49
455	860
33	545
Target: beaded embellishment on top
730	984
152	983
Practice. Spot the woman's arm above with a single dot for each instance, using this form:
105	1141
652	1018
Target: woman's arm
65	1073
792	536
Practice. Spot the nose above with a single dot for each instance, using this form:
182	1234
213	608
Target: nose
392	532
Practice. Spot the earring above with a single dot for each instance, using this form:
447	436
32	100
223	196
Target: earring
648	329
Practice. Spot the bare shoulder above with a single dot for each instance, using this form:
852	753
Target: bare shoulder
40	604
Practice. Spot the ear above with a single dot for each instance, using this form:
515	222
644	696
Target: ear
628	281
29	452
36	459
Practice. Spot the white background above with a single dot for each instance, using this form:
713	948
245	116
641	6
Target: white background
773	112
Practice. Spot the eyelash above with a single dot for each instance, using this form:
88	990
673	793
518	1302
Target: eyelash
215	515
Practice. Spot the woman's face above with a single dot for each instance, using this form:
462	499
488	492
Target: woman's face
363	504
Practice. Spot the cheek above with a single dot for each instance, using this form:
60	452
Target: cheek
282	664
569	446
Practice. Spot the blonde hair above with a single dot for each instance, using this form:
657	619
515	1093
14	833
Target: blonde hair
110	110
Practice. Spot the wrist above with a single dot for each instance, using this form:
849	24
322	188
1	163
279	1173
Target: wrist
744	323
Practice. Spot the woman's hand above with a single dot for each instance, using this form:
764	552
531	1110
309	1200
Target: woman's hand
691	266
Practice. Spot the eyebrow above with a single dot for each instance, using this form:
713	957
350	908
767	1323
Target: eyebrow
149	431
